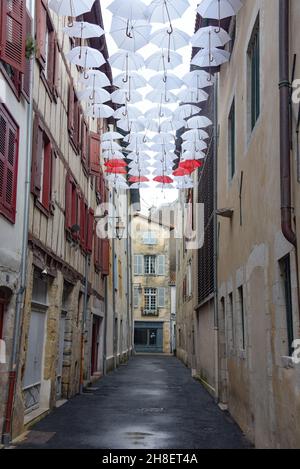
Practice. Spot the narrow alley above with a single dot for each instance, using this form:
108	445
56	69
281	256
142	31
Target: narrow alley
152	402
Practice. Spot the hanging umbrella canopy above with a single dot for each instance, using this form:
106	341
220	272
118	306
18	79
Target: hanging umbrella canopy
111	136
136	179
115	163
191	135
163	138
85	57
136	172
192	95
135	139
150	125
135	81
94	95
131	9
127	111
138	156
198	79
100	111
211	58
218	9
174	41
181	172
159	61
110	145
94	79
158	112
170	82
165	148
182	185
72	8
141	163
185	111
197	145
116	170
191	155
83	30
136	147
160	96
199	122
171	125
163	179
108	154
207	38
130	35
139	185
124	96
124	60
130	125
191	165
162	11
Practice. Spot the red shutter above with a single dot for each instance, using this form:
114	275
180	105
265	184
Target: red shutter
90	230
71	110
41	28
37	153
84	144
105	256
56	68
9	149
26	76
13	33
97	254
95	153
47	176
68	202
83	210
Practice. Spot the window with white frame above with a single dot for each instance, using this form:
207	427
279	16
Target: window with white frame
149	238
150	299
150	265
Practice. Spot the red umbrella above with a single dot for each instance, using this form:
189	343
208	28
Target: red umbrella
163	179
191	165
138	179
116	170
181	172
116	163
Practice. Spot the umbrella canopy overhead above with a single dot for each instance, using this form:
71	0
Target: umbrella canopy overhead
208	38
197	79
100	111
211	58
95	79
83	30
94	95
130	35
218	9
168	82
185	111
135	81
85	57
175	41
72	8
130	9
192	95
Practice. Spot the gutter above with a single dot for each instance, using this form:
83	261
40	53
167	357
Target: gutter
216	291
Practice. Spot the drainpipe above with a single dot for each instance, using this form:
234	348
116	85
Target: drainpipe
13	367
128	276
105	326
216	300
285	123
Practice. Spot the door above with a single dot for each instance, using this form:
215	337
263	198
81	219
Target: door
148	337
33	367
62	329
95	344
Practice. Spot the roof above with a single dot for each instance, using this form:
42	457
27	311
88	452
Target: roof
152	220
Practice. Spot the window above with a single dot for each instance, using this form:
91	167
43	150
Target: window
42	167
47	50
254	75
150	300
285	269
13	37
138	264
231	321
231	141
149	238
71	207
149	265
9	150
95	150
242	318
74	120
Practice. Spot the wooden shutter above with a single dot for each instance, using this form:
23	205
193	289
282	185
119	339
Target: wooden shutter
82	223
136	297
47	176
13	33
84	144
56	67
138	264
9	149
161	265
97	250
161	297
41	28
95	153
90	232
105	256
37	153
71	110
26	76
68	202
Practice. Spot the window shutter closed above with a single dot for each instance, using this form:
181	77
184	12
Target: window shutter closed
56	68
161	265
71	110
82	209
105	256
68	202
161	297
41	27
26	76
9	142
95	153
136	297
13	33
37	153
47	189
138	265
84	144
90	232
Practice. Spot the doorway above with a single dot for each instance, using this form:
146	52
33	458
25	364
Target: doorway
148	337
95	344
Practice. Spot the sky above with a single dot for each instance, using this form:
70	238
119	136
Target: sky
155	197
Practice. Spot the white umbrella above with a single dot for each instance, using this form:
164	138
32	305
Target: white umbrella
100	111
157	96
85	57
130	35
163	138
169	81
197	79
161	11
191	155
185	111
171	125
130	125
192	95
191	135
162	166
132	9
83	30
165	148
138	156
141	167
138	172
158	112
139	185
199	122
195	146
127	111
184	185
111	154
137	147
135	81
111	136
165	187
71	8
211	58
110	145
126	61
207	38
94	95
159	61
218	9
95	79
134	139
174	41
151	125
123	96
